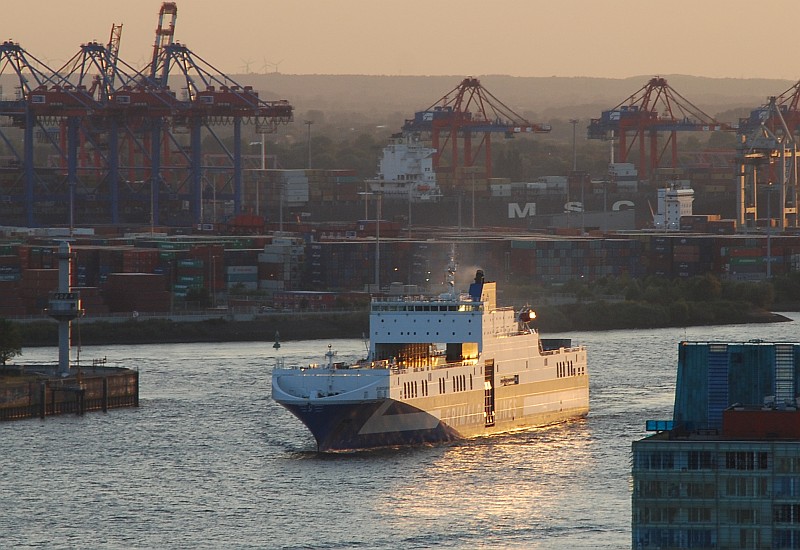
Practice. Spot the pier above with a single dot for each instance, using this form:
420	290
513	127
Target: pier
39	391
42	390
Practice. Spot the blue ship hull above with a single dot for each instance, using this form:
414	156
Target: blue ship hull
347	427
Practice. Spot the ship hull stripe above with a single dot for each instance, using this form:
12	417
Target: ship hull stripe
385	423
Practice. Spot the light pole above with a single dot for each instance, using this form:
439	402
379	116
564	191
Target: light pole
471	171
213	280
152	205
473	198
366	194
263	168
308	124
378	246
280	207
769	230
377	237
574	122
409	209
214	198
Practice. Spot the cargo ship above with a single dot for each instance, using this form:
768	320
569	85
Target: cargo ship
405	171
439	369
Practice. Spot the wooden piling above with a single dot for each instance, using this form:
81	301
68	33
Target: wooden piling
42	399
46	393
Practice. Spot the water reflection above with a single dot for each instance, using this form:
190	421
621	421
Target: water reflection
209	460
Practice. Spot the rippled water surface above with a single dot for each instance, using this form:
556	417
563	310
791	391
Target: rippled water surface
209	461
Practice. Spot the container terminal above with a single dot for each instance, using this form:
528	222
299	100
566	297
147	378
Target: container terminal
111	159
101	142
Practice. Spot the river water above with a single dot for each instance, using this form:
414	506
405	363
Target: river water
210	461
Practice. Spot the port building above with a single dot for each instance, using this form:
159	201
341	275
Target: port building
725	471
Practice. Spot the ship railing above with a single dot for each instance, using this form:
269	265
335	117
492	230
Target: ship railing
423	299
403	298
563	350
450	364
381	364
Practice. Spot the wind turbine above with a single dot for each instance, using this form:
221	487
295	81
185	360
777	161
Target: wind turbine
270	64
246	65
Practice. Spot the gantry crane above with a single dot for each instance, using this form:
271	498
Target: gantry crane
165	35
778	112
468	109
110	131
655	109
767	155
113	52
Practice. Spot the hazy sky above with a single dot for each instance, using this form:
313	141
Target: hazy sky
601	38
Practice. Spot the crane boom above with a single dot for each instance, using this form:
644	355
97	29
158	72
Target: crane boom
112	49
654	108
164	37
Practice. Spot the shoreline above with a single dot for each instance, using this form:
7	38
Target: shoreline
300	326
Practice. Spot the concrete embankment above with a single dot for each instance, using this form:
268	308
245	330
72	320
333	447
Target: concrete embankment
183	329
41	391
355	324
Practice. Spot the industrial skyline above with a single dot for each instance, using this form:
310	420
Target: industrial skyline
612	39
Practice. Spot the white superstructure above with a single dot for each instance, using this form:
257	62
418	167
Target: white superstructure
673	203
405	171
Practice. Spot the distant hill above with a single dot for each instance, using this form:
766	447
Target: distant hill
558	97
540	97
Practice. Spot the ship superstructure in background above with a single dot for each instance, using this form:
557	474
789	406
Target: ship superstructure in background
674	202
439	369
405	171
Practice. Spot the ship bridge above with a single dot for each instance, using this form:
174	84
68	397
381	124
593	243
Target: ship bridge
450	328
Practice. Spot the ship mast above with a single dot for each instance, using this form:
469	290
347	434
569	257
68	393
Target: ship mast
452	267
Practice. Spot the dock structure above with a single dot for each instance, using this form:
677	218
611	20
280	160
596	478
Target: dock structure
40	391
43	390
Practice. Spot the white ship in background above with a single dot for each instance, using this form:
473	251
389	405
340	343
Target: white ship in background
674	202
405	171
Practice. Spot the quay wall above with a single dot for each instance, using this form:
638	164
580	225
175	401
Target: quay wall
40	395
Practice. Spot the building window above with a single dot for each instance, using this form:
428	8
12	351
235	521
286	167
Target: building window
786	513
655	460
700	538
785	464
699	515
746	516
700	490
784	487
786	538
746	486
746	460
700	460
650	489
